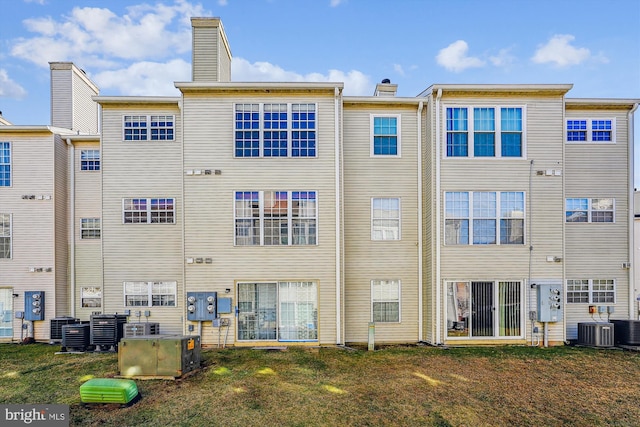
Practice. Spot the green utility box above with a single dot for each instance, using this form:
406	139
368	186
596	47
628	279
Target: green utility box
108	390
158	355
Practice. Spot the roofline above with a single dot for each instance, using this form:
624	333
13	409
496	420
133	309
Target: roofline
381	100
102	100
37	129
206	86
621	102
560	88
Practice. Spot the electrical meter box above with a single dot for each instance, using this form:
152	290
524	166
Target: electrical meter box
34	305
201	306
550	307
159	355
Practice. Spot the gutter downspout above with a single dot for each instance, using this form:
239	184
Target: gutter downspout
337	178
72	228
438	210
420	198
631	209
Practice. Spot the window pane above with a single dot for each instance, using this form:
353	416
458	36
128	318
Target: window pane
5	236
385	300
385	221
247	211
458	309
509	309
298	316
247	135
385	136
5	164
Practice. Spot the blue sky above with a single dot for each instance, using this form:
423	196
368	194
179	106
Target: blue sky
139	47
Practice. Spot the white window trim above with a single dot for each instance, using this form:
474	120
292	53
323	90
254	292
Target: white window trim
371	215
497	131
148	128
589	131
150	293
289	218
261	129
10	164
590	292
398	135
590	211
148	211
90	229
99	159
498	217
10	237
523	322
399	283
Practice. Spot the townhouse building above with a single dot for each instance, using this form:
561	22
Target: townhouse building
466	215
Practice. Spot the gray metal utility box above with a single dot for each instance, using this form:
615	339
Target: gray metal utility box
159	355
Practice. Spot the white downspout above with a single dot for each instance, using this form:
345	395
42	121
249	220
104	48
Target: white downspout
438	209
72	228
420	297
631	209
337	179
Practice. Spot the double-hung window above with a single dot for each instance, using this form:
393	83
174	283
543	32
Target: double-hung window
5	235
484	218
385	135
591	130
91	296
5	164
484	132
385	301
591	291
385	218
90	228
90	160
148	211
590	210
275	130
275	218
149	128
150	294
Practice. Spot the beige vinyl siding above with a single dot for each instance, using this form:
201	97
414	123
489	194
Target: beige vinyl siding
543	134
209	204
85	110
140	252
61	226
32	223
61	98
88	203
429	212
597	250
366	177
207	51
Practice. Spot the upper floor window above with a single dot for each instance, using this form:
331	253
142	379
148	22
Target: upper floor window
5	164
150	294
591	291
90	160
385	301
91	296
385	136
484	218
5	236
148	211
273	218
491	132
591	130
149	128
590	210
90	228
275	130
385	219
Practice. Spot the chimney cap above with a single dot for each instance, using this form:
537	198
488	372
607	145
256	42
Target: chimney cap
386	81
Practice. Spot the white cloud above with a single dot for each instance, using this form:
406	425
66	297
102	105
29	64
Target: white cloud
41	2
336	3
222	2
503	58
559	52
98	37
146	78
355	82
454	57
9	88
398	69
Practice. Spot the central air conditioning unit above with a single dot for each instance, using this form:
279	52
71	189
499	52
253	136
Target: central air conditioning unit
141	329
56	326
627	332
107	330
596	334
76	337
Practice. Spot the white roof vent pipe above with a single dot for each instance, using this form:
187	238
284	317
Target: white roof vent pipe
385	88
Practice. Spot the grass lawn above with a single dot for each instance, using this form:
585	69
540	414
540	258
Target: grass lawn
394	386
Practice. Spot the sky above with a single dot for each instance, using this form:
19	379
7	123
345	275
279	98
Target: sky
141	47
